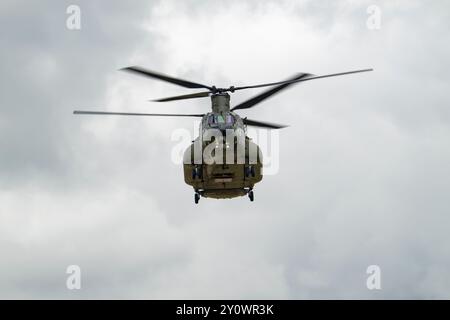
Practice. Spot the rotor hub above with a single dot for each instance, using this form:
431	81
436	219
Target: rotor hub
215	90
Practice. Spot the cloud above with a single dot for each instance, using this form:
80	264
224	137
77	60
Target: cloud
364	166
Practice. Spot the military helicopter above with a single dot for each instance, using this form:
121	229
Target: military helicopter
221	172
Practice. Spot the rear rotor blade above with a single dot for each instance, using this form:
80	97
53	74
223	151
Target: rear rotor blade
262	124
137	114
186	96
163	77
266	94
300	80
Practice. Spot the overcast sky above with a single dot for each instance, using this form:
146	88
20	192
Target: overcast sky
364	171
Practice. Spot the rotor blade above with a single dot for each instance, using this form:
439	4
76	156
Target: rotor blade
163	77
186	96
263	124
137	114
266	94
300	80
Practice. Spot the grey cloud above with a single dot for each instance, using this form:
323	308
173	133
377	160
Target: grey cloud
364	167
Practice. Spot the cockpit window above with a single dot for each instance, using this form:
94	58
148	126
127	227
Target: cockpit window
215	120
220	119
211	121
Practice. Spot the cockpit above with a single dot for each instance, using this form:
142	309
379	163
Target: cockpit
221	121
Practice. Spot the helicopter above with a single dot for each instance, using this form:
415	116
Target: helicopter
222	162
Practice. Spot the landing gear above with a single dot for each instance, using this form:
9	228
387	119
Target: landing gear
196	197
251	195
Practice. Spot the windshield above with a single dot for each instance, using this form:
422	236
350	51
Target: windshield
216	120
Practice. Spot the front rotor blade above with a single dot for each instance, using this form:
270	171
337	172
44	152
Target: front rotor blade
163	77
262	124
137	114
186	96
300	80
266	94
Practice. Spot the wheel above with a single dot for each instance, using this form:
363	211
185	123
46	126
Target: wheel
196	198
251	195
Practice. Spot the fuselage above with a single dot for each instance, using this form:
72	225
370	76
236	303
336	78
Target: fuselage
222	162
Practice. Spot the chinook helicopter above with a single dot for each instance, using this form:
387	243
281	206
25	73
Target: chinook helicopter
232	166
